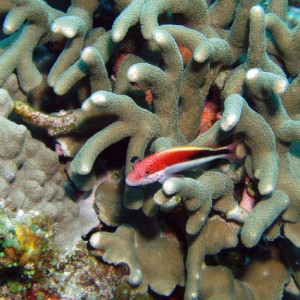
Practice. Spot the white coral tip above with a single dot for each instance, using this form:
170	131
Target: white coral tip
268	189
86	105
87	53
169	187
228	123
136	277
7	28
159	36
237	213
204	52
98	98
55	28
95	240
68	32
200	56
117	36
133	74
257	9
84	170
280	86
252	73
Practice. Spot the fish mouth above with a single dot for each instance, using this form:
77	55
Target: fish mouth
131	182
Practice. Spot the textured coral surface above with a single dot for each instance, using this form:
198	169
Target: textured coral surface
90	87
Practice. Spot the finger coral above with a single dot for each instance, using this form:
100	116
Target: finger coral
112	82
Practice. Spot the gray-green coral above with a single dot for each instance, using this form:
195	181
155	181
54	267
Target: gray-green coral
31	180
154	79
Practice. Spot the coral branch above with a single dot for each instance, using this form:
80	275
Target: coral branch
261	141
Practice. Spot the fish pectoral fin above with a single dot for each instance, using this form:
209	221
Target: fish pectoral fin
183	166
166	177
162	180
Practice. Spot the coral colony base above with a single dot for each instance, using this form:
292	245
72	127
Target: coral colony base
90	86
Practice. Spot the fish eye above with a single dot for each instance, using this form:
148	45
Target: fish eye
147	172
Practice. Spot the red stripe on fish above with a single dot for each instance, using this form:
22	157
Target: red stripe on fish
160	166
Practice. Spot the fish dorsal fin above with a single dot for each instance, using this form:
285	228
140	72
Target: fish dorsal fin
190	148
183	166
135	159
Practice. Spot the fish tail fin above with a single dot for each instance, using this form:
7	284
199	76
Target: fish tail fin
237	151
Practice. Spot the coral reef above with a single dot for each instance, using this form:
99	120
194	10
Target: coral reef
26	241
28	259
104	82
31	180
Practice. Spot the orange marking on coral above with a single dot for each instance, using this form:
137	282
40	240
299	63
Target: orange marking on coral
209	117
118	62
186	53
116	68
148	93
149	96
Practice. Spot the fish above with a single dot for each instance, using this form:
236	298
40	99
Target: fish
165	164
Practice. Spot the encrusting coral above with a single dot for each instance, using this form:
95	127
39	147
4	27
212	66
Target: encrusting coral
165	74
30	179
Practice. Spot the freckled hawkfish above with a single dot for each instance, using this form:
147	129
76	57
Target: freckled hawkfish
167	163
